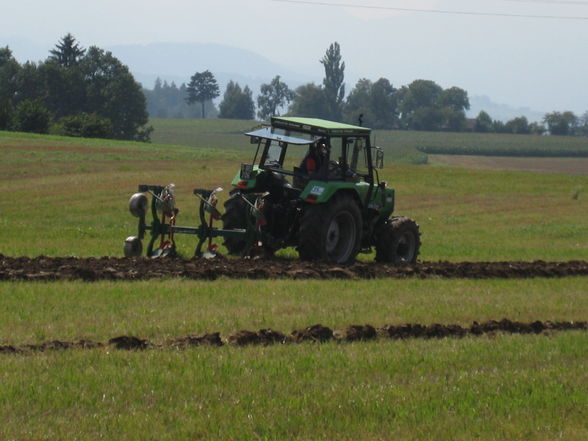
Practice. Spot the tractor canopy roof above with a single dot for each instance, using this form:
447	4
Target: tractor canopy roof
318	127
268	133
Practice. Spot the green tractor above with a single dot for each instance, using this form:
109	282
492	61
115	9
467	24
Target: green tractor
312	184
321	193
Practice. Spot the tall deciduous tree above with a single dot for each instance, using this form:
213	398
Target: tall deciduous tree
65	88
67	52
455	98
377	102
418	94
333	85
483	123
420	105
201	88
359	102
424	105
518	125
237	103
309	101
561	123
113	93
273	96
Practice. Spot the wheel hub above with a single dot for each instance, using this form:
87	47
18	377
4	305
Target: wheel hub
341	237
333	236
405	248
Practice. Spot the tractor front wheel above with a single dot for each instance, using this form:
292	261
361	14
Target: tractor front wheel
398	241
331	231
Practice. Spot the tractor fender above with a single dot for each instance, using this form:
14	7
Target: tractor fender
320	192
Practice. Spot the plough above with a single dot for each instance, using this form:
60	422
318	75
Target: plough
163	226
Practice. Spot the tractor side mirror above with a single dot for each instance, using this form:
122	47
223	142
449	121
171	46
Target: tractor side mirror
379	158
253	140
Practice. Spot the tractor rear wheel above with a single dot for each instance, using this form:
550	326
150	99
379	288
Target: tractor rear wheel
398	241
235	217
331	231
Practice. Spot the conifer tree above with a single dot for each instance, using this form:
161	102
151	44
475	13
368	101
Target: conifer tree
67	52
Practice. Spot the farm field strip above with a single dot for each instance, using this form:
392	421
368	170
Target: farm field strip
80	198
161	309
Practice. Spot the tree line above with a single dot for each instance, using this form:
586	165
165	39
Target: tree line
167	100
74	92
420	105
555	123
90	93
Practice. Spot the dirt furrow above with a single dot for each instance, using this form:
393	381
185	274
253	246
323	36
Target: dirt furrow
314	333
110	268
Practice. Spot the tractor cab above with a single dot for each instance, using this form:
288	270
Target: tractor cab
296	151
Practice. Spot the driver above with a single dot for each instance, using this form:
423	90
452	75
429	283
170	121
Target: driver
315	157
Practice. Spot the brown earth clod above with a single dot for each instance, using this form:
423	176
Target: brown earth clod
318	333
212	339
129	343
261	337
357	333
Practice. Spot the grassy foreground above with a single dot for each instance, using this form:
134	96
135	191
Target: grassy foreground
493	388
509	387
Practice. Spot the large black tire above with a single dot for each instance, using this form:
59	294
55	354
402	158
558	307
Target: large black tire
235	216
331	231
398	241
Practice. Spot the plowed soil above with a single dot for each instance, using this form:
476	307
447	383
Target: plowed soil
315	333
110	268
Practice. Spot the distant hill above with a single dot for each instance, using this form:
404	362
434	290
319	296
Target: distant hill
179	61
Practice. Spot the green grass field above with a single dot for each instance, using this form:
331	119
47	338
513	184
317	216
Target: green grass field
69	197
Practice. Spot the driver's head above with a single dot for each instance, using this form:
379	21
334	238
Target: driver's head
321	147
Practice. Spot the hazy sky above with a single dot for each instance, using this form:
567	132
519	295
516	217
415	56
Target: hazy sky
531	62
